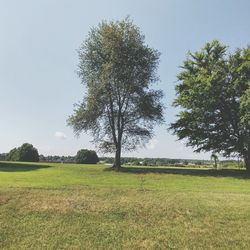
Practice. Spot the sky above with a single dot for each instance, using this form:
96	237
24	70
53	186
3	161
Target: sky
38	62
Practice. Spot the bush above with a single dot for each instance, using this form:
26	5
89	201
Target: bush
86	156
26	153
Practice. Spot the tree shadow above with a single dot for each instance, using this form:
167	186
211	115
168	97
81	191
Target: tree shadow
20	167
234	173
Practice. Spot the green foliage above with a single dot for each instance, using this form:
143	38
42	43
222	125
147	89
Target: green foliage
13	155
86	156
28	153
25	153
214	94
118	69
3	157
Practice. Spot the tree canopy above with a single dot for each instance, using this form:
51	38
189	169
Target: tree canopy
214	94
86	156
117	69
26	153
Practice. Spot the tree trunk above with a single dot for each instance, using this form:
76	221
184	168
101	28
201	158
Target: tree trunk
247	160
117	161
247	163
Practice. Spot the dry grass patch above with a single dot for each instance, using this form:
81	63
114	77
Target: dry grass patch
4	200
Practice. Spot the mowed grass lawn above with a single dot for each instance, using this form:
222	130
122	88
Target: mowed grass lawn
69	206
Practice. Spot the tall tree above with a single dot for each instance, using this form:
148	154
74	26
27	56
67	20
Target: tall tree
214	94
118	69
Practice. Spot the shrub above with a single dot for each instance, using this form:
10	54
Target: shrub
86	156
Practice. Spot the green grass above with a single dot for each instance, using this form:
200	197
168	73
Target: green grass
69	206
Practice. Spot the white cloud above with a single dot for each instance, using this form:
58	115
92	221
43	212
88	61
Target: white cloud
152	144
60	135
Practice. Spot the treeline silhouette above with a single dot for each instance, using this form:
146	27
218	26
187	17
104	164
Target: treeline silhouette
130	160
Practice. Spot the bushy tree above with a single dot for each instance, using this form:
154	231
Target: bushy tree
26	153
214	94
86	156
118	69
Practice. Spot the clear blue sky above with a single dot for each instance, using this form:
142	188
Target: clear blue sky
38	59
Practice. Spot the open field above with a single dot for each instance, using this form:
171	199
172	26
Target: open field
67	206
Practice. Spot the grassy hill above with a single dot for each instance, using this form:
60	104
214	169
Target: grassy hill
69	206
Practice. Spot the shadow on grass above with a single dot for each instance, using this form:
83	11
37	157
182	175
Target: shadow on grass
19	167
235	173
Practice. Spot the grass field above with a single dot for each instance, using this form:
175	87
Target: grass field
67	206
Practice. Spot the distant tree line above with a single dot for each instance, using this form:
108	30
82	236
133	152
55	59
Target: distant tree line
57	158
28	153
3	156
86	156
155	161
83	156
167	162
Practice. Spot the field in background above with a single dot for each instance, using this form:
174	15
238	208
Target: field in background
52	206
